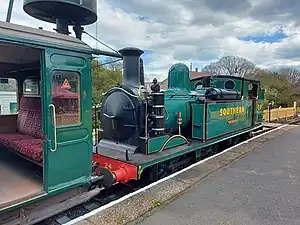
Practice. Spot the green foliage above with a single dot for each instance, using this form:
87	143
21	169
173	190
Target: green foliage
104	78
277	88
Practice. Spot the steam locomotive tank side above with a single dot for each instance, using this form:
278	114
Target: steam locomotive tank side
178	98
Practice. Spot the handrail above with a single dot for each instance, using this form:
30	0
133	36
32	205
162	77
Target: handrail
54	127
106	53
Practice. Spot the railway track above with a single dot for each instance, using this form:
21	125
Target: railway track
116	192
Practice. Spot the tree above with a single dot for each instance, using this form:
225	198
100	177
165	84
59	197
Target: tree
231	65
213	69
103	79
278	88
113	64
291	74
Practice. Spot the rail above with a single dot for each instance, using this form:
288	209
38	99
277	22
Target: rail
280	113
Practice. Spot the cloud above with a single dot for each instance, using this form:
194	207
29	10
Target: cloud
188	31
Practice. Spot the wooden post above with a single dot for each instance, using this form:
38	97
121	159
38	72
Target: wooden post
269	111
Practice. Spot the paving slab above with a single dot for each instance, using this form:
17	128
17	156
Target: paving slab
261	188
168	193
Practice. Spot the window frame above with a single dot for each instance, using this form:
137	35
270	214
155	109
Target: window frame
230	80
28	94
200	82
14	90
79	92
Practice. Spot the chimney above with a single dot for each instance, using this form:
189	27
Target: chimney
131	66
191	67
196	69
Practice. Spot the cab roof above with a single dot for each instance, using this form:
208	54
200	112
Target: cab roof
229	77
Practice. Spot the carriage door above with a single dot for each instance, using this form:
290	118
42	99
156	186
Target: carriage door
67	92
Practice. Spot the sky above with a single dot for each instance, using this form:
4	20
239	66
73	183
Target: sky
265	32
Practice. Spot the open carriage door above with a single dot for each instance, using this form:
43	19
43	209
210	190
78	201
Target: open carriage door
67	101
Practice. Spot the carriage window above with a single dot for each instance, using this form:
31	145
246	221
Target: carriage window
31	87
66	97
8	96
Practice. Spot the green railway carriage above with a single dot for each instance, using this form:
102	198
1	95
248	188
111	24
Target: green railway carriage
52	128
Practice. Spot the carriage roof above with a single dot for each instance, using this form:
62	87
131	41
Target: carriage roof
24	34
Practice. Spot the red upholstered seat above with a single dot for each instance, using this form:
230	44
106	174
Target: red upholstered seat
28	139
32	148
7	138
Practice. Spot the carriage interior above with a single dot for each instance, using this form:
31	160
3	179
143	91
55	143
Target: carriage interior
21	136
21	128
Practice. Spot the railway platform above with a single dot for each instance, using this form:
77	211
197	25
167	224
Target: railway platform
262	188
255	182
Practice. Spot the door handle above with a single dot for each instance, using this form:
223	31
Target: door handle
54	127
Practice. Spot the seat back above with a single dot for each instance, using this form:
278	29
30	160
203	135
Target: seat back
29	119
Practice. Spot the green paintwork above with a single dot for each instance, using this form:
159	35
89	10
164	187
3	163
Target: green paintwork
198	153
156	144
70	165
67	60
261	94
219	82
195	148
232	118
259	107
197	121
177	100
219	123
13	107
179	77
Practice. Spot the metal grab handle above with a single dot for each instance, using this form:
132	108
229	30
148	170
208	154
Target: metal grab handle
54	127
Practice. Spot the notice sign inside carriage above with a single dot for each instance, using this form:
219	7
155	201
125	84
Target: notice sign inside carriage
66	84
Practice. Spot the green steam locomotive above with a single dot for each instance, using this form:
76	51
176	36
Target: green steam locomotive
147	134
